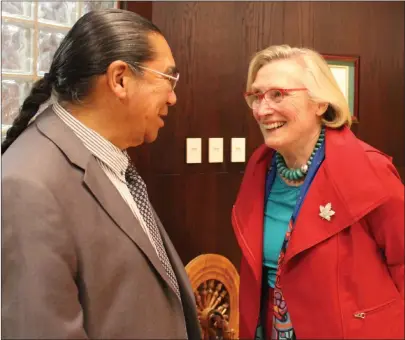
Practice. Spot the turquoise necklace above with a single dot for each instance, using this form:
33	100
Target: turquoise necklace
298	174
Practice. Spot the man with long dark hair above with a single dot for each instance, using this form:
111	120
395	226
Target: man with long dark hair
84	255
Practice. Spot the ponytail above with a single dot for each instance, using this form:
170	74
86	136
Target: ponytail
40	93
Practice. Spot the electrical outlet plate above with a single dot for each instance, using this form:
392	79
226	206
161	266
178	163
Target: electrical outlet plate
215	150
193	147
238	150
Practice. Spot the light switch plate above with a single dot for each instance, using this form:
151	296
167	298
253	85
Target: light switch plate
238	147
215	150
193	147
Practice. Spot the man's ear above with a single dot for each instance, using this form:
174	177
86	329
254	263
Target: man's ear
118	74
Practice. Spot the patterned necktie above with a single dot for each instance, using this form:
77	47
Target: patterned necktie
137	187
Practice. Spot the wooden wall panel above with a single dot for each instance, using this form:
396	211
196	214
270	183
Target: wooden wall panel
212	43
143	8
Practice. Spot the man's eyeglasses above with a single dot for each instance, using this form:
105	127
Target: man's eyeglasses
172	78
275	95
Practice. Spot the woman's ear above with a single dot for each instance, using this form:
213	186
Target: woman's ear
322	107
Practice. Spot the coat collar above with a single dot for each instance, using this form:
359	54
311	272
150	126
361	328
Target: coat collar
51	126
345	179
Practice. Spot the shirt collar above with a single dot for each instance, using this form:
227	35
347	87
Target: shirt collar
116	159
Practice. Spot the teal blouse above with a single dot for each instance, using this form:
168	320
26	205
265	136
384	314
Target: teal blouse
279	208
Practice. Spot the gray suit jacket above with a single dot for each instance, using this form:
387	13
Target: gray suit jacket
75	261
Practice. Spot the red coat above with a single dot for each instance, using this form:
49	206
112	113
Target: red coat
335	269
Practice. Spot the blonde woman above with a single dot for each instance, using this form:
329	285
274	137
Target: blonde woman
320	214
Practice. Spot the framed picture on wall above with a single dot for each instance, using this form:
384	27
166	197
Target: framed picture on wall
346	72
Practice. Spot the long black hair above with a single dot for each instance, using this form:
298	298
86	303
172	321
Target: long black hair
92	44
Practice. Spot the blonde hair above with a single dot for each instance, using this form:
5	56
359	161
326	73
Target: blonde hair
320	82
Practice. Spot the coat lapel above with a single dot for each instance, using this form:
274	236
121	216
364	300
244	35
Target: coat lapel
346	166
310	228
50	125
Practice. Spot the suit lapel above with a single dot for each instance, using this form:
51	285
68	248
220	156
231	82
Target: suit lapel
112	202
186	292
50	125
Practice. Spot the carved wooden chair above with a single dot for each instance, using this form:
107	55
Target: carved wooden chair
215	283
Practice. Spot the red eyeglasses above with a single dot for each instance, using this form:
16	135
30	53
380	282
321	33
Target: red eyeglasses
276	95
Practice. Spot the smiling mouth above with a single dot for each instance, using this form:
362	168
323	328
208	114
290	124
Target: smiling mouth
273	126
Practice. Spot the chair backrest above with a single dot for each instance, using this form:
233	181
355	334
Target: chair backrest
215	283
